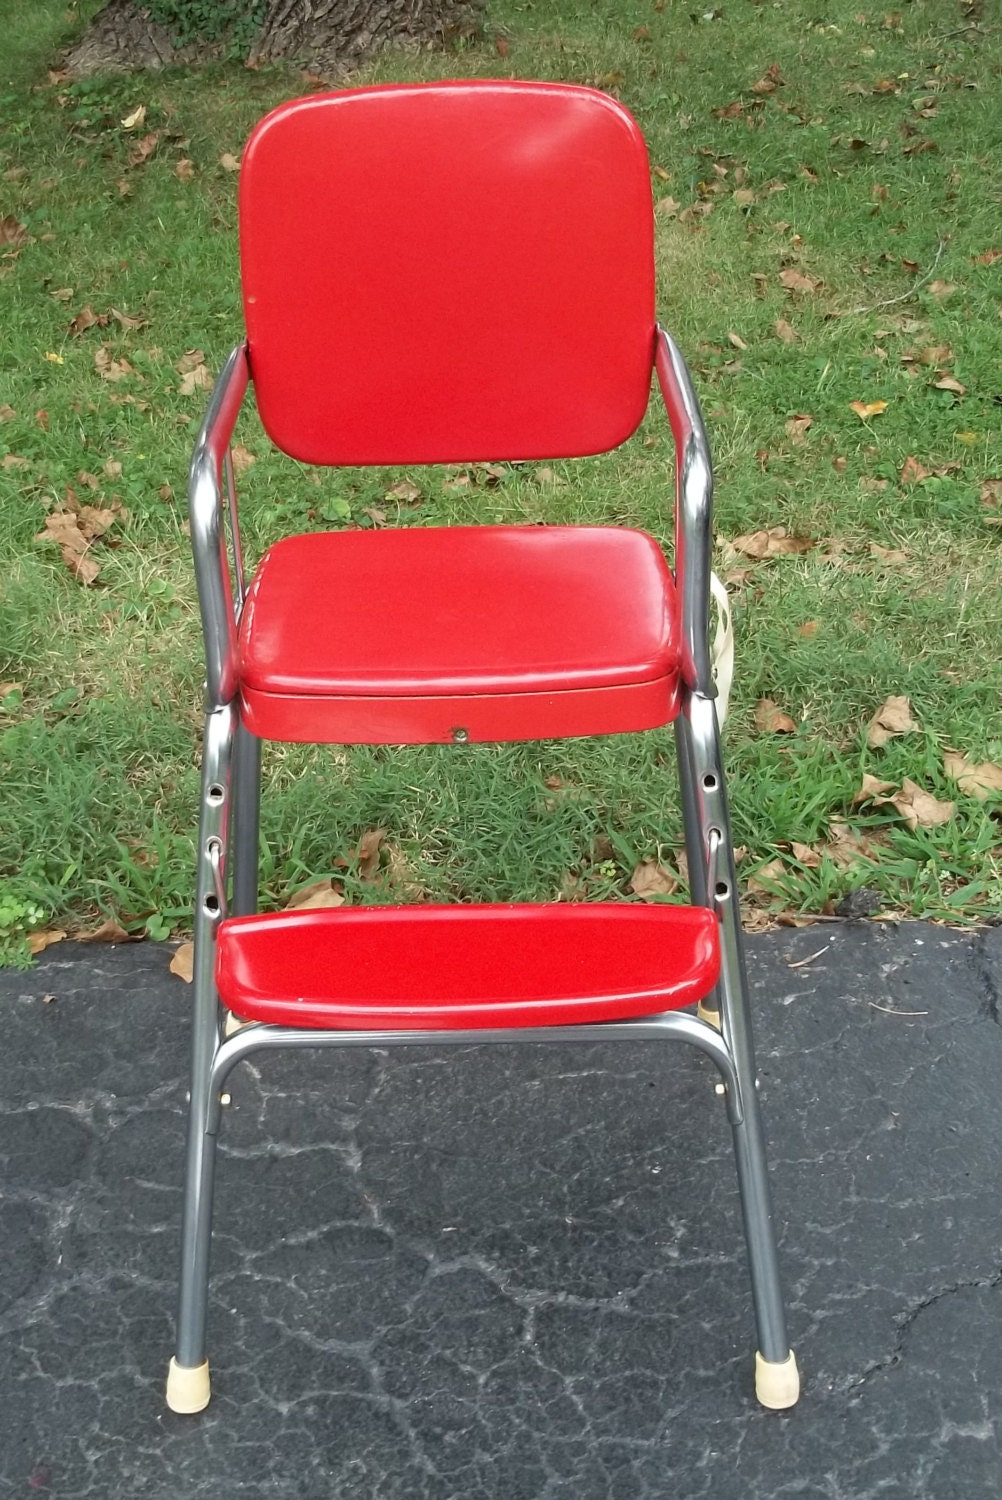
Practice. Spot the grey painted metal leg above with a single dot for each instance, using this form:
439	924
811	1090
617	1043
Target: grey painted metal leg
246	821
188	1378
709	1008
777	1380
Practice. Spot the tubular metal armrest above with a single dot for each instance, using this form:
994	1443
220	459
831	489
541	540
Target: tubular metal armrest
693	512
210	466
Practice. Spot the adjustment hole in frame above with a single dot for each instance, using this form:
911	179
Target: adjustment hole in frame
722	889
215	795
211	906
710	781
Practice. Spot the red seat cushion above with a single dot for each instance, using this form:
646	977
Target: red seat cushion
484	632
453	967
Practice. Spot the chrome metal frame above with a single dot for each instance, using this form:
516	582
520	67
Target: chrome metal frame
231	785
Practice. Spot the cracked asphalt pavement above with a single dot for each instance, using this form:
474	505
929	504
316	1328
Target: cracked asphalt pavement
512	1273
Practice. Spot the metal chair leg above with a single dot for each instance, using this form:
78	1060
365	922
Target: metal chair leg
188	1387
246	821
777	1381
708	1008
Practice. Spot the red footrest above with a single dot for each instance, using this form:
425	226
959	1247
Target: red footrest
456	967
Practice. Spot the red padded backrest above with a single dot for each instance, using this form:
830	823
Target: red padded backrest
447	272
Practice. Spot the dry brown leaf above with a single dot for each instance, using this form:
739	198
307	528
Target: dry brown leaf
7	413
871	787
113	468
111	369
890	556
846	847
405	491
12	232
798	427
991	492
667	208
183	962
785	331
367	852
770	81
893	717
912	472
765	879
941	289
143	150
108	932
981	781
197	379
241	458
184	170
136	119
808	857
86	318
127	321
949	383
229	162
770	719
318	894
189	360
14	461
986	258
772	543
920	809
867	409
935	354
650	879
737	341
871	485
796	281
39	941
809	629
743	197
376	514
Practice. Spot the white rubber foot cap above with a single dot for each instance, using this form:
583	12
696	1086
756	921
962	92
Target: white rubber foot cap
712	1017
188	1390
777	1386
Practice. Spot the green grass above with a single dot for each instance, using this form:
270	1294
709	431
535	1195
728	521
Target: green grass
99	737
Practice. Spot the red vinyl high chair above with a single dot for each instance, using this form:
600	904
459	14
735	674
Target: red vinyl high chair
448	273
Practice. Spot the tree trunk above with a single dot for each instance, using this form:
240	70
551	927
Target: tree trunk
332	36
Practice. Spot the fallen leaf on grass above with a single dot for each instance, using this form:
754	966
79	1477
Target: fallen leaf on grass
767	877
39	941
796	281
871	787
912	472
867	409
809	629
737	341
12	232
667	208
406	491
986	258
109	931
319	894
991	492
889	556
87	318
948	383
194	380
785	331
111	369
229	162
241	458
893	718
808	857
798	427
846	847
981	781
128	322
62	294
651	879
143	149
941	289
75	528
184	169
770	81
934	354
770	719
183	962
367	852
7	413
919	809
772	543
136	119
